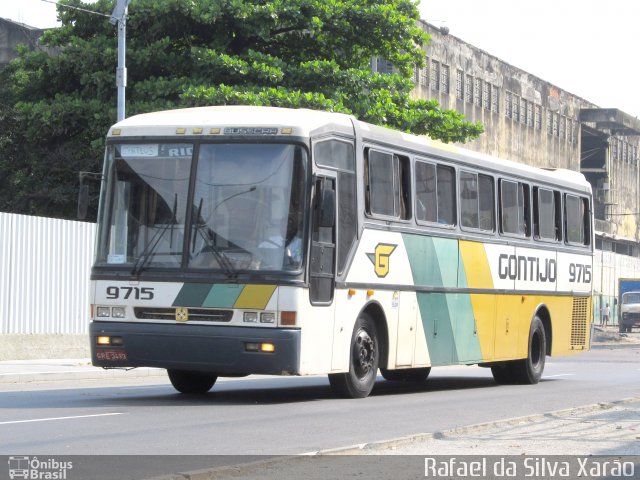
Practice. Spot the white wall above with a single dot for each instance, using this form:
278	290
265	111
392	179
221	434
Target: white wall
44	275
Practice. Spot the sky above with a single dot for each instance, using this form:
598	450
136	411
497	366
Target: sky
585	47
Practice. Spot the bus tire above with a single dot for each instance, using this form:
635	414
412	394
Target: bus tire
364	356
528	371
406	374
190	382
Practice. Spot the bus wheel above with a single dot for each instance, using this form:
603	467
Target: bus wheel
406	374
529	370
363	362
191	382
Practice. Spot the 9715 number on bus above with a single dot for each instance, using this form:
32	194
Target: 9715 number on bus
144	293
579	273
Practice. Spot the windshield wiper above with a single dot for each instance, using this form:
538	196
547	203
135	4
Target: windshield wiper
150	247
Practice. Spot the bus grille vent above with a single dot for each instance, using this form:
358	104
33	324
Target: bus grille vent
195	314
579	322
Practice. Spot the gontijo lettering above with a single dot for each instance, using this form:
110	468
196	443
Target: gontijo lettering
520	267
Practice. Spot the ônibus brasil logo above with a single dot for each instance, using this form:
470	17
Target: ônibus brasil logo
37	469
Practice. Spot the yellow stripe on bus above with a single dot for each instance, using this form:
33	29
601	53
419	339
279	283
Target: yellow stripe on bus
255	297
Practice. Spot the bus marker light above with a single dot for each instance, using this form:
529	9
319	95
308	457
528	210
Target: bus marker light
370	293
197	131
214	131
252	347
116	132
351	292
267	347
288	318
286	131
117	341
181	131
104	340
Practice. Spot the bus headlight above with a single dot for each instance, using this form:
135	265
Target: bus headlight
118	312
250	317
103	312
267	317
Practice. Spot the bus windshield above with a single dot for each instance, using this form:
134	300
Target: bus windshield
240	209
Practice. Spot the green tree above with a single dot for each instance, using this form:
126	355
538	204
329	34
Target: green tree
55	109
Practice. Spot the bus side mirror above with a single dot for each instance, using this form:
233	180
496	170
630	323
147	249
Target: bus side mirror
83	193
327	208
83	201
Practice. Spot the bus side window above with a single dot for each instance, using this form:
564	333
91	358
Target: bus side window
577	223
546	214
388	185
514	208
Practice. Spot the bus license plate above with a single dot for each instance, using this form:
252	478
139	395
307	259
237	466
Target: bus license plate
111	355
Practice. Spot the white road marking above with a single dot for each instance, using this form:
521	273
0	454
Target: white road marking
60	418
559	375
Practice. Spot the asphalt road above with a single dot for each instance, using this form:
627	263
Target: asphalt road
282	416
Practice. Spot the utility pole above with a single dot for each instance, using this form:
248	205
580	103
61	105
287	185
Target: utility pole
119	17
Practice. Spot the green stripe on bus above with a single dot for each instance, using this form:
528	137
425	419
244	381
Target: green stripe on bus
192	294
432	260
223	296
448	318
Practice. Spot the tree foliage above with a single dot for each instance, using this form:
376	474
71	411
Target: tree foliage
56	108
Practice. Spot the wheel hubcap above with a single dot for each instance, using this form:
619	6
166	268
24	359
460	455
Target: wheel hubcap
364	354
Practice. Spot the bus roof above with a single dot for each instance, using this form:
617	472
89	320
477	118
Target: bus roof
305	122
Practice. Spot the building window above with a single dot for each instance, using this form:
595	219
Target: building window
477	100
508	104
555	124
549	123
529	114
435	75
537	117
562	128
486	89
495	100
468	88
416	75
459	85
523	110
516	108
424	74
444	78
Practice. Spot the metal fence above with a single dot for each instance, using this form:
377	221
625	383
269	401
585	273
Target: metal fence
44	275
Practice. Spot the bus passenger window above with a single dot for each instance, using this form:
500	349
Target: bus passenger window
546	214
514	208
435	193
476	201
388	191
576	220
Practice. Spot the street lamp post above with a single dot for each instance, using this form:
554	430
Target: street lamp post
119	17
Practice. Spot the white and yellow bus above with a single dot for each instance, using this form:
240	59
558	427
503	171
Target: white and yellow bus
257	240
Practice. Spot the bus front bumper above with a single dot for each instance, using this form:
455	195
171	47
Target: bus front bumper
223	350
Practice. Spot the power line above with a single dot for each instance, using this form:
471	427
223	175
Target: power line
76	8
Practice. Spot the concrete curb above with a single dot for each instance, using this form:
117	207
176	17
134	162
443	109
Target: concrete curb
384	445
475	428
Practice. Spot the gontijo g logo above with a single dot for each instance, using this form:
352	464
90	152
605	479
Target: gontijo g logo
380	258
